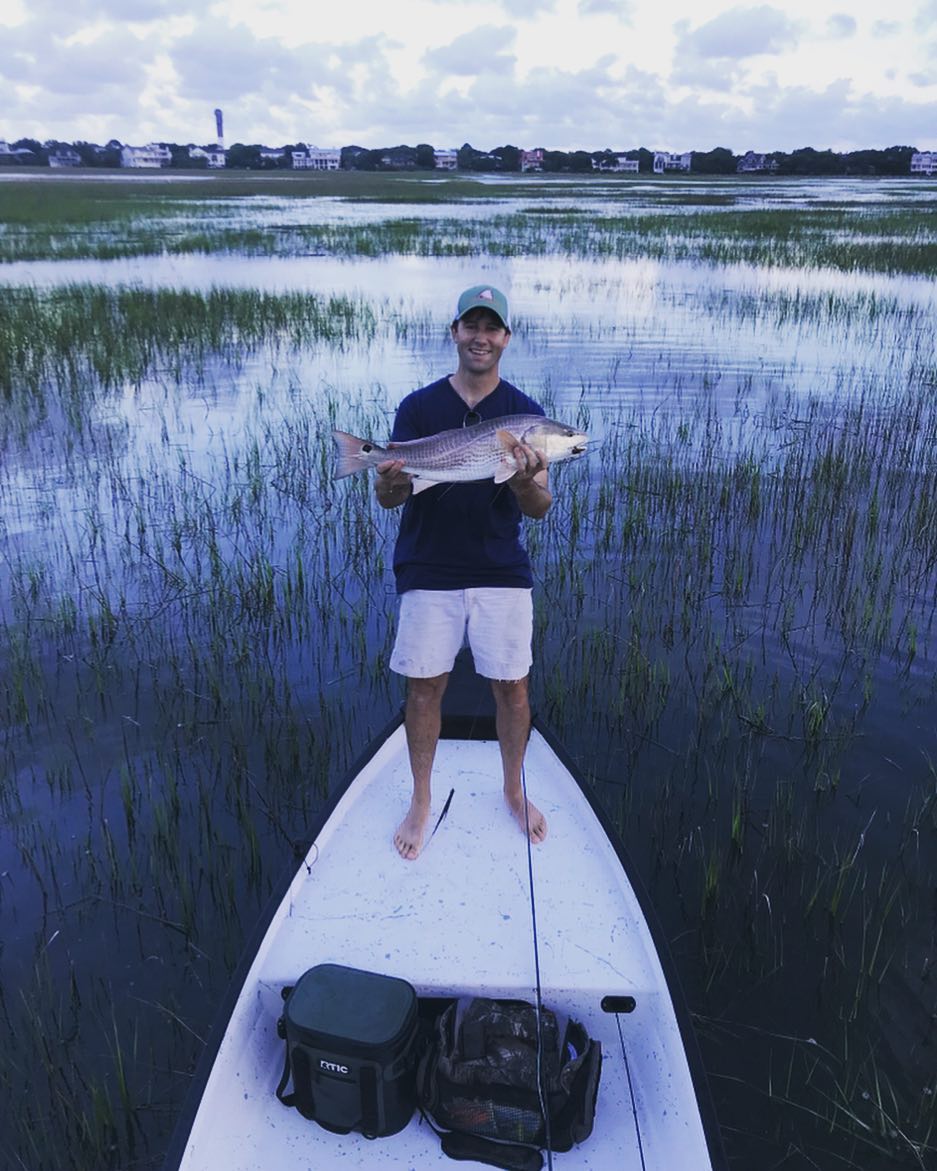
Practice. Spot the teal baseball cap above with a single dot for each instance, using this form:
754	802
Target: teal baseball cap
484	297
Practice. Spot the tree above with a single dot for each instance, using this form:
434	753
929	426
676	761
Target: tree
510	157
895	160
425	156
807	161
351	156
244	158
183	160
720	161
30	147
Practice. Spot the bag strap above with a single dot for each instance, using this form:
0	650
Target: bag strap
510	1156
286	1099
473	1147
370	1123
302	1096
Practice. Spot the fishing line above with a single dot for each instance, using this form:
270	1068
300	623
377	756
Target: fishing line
533	918
634	1104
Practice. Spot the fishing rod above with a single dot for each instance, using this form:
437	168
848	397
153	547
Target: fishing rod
539	1003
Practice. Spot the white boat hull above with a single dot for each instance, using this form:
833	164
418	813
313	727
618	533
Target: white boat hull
455	922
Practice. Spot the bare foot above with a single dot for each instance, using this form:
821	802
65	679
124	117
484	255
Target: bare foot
409	836
534	819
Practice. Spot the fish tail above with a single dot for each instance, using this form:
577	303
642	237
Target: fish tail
353	454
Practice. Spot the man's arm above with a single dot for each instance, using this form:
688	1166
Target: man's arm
530	483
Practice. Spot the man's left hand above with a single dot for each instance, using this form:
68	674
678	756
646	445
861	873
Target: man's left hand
530	462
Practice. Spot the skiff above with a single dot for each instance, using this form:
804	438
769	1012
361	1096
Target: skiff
458	921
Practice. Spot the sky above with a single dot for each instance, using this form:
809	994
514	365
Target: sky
561	74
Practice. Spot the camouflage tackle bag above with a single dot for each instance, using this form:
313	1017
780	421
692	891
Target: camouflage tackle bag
477	1081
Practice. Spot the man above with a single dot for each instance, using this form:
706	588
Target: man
460	565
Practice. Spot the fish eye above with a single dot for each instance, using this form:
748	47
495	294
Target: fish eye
366	447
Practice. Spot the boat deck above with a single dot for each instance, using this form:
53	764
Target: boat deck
458	921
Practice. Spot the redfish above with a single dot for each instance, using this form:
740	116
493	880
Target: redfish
482	451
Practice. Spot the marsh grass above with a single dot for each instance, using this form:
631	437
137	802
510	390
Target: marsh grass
734	541
93	335
59	219
735	629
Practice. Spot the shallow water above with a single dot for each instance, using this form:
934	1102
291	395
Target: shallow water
736	609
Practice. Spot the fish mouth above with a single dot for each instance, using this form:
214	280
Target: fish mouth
579	449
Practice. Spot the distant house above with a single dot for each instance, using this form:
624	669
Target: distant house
751	162
618	163
15	154
214	154
664	161
924	162
445	160
145	156
314	159
64	156
532	160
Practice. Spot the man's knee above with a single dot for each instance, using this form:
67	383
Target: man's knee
426	693
510	693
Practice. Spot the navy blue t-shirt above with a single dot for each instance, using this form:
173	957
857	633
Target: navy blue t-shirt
459	536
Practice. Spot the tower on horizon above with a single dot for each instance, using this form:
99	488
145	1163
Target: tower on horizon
219	129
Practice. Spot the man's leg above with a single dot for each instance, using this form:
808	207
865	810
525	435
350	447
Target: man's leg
430	629
512	721
422	721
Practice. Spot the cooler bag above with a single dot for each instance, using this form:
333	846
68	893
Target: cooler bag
350	1049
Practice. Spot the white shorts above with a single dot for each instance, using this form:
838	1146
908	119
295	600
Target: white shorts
433	625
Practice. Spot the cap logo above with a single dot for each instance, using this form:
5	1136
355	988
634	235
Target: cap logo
486	295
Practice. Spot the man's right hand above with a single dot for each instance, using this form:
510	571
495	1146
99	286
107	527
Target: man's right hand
392	483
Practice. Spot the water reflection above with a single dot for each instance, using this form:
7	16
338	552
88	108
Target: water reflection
736	613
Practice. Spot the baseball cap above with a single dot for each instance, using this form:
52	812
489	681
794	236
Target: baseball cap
484	297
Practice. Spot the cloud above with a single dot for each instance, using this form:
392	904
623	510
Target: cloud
524	9
621	8
476	52
137	10
841	25
79	14
737	34
528	8
112	61
926	16
835	117
232	62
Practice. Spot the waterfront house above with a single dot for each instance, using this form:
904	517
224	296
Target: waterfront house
751	162
665	161
924	162
64	156
314	159
618	163
151	156
214	154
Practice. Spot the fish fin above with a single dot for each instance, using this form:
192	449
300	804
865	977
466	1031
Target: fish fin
508	463
350	451
418	485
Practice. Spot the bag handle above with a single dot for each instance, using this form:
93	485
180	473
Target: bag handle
510	1156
